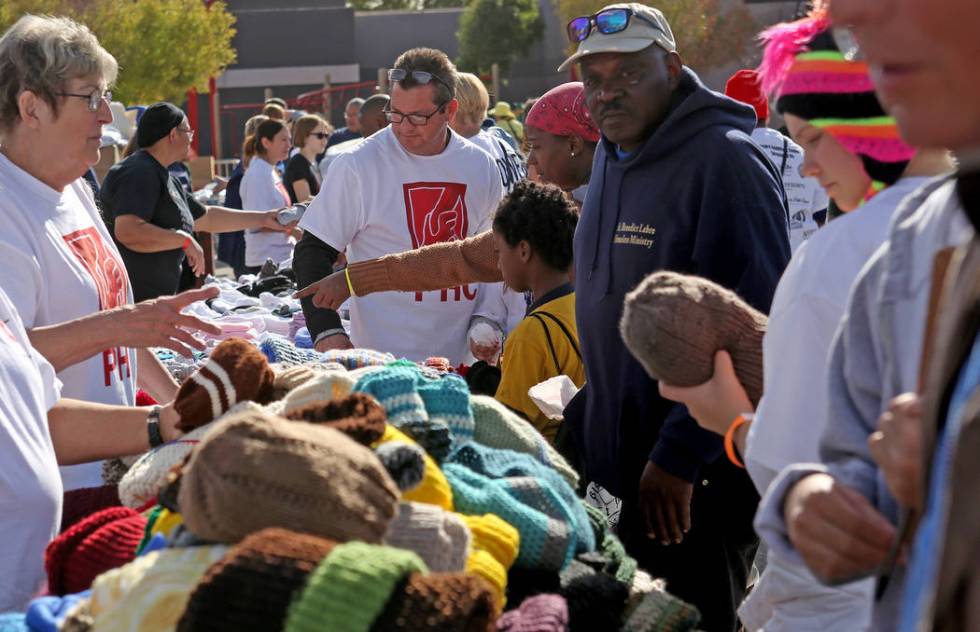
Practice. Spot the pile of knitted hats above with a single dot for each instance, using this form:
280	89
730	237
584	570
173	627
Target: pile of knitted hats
379	498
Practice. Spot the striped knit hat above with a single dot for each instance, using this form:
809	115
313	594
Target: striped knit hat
235	372
348	590
810	77
252	586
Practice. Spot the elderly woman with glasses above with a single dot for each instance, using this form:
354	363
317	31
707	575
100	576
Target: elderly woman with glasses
68	331
152	218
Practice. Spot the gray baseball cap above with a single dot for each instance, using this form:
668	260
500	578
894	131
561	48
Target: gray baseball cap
647	26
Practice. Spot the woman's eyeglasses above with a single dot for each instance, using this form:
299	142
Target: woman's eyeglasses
94	100
320	135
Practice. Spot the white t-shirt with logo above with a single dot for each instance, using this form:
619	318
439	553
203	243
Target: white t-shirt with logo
30	487
262	190
805	195
59	264
379	199
509	162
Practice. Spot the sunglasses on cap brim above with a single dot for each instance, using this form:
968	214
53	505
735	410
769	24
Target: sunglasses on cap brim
606	22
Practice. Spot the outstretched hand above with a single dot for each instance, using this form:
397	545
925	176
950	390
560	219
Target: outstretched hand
330	292
159	323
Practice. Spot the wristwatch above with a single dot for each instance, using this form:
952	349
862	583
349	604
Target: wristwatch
153	427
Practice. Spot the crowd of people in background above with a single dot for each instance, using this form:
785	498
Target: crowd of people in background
815	475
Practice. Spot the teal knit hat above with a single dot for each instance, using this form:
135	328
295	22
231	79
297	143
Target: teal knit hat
497	426
527	479
433	411
546	542
350	587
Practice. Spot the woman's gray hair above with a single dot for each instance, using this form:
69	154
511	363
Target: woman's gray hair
42	54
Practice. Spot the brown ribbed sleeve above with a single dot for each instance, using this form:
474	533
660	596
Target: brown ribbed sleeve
434	267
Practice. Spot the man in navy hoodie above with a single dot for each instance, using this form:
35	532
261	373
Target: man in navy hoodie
677	184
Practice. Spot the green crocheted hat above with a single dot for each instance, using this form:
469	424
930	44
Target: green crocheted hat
350	588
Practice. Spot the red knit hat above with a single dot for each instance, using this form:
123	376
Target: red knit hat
745	86
99	543
81	503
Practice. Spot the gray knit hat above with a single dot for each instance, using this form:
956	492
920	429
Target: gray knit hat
674	324
439	537
256	470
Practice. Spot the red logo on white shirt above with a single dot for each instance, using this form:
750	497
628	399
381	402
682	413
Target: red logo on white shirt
110	280
436	212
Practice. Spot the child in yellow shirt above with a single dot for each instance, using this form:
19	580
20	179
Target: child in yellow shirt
532	235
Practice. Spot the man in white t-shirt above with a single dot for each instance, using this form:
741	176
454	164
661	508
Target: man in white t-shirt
807	201
412	184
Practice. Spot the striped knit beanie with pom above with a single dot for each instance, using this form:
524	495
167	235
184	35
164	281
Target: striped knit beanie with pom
235	372
809	77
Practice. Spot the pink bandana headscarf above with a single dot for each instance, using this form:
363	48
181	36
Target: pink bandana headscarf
562	112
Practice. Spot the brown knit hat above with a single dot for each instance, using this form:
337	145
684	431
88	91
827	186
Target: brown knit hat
359	416
255	470
674	323
237	371
252	586
448	602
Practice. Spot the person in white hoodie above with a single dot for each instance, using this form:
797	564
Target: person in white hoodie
809	303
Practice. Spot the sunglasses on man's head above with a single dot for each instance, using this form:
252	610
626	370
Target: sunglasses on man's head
606	22
418	76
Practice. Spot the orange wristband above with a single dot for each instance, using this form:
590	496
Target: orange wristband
730	441
187	242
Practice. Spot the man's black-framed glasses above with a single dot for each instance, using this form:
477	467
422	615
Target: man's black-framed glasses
94	100
606	22
421	77
416	119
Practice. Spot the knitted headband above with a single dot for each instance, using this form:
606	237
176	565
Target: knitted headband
810	78
562	112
